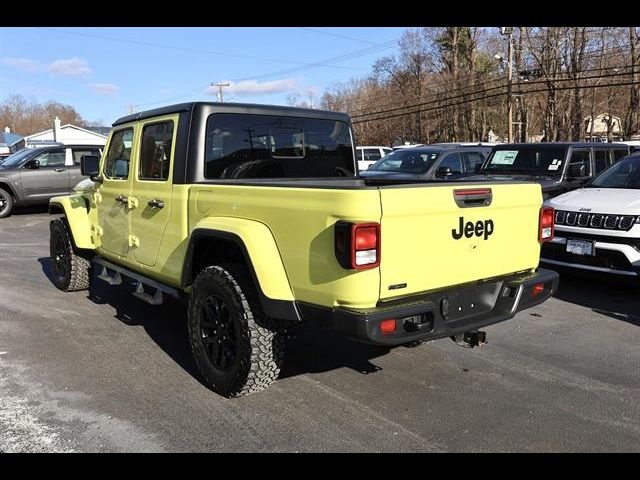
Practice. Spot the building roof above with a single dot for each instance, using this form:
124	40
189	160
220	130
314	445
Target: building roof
9	138
67	125
101	130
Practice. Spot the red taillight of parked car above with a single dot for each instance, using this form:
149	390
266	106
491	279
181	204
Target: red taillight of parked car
547	215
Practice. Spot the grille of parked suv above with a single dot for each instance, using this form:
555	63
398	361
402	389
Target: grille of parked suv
596	220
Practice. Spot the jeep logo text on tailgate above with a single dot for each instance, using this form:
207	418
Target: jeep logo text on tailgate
469	229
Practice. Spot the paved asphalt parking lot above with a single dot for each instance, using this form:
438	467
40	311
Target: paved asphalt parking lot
105	372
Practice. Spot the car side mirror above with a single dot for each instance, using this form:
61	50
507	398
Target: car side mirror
443	172
33	164
370	165
576	170
90	166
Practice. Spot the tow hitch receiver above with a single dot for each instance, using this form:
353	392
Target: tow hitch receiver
470	339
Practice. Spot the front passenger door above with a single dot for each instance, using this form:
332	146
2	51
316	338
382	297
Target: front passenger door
47	180
579	167
113	194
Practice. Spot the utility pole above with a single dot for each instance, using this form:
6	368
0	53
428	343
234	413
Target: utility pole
509	32
220	85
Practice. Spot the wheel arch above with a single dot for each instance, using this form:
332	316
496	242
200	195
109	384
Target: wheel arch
217	245
76	210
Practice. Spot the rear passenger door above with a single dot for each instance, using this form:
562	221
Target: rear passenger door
47	180
76	156
601	160
473	161
152	187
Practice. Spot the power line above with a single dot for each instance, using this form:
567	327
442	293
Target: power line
190	49
336	35
570	87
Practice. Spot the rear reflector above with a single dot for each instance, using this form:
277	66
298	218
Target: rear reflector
537	289
388	326
547	217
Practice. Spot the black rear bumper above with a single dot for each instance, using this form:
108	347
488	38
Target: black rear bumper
439	314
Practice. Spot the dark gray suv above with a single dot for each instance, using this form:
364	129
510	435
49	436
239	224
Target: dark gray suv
33	175
557	166
429	162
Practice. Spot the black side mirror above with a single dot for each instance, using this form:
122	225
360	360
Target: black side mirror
443	172
33	164
90	166
576	170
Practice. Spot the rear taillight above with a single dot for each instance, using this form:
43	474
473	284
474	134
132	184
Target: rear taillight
547	216
357	245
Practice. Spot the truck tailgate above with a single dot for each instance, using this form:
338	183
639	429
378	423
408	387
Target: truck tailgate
433	238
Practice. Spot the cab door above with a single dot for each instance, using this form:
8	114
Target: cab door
152	187
112	197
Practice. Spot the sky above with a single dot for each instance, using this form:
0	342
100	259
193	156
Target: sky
107	72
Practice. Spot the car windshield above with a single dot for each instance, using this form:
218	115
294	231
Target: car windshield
17	158
406	161
531	160
624	174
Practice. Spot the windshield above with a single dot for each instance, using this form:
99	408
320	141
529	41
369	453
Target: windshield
532	160
17	158
624	174
406	161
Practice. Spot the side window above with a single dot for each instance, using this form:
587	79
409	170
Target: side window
452	161
51	158
601	160
155	151
79	152
580	164
473	161
372	154
618	153
116	164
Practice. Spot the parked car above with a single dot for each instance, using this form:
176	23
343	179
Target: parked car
433	162
34	175
367	156
598	227
559	166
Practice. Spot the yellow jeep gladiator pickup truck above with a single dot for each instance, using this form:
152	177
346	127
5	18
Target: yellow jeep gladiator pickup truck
257	216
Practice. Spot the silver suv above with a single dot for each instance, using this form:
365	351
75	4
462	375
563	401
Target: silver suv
33	175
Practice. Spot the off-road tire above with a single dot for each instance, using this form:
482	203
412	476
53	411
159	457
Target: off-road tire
71	270
6	203
250	363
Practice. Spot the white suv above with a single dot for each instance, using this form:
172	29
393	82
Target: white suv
598	227
367	156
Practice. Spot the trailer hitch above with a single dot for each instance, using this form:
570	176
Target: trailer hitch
470	339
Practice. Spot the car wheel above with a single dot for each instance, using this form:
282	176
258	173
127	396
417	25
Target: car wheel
237	348
71	271
6	203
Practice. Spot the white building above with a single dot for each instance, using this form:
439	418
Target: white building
66	134
602	127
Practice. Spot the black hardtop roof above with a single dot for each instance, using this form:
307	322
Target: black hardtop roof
506	146
254	108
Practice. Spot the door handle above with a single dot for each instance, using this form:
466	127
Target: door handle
156	203
122	199
60	169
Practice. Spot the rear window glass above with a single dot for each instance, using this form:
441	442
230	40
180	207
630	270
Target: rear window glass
268	146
